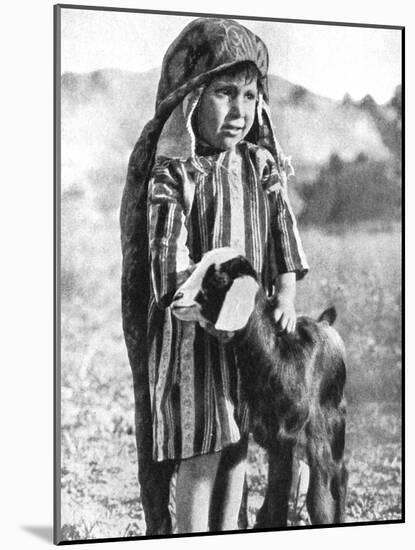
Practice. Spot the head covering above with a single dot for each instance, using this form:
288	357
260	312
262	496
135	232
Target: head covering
205	47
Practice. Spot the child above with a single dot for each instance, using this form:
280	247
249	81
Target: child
218	179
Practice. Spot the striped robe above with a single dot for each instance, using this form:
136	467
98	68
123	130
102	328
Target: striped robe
235	200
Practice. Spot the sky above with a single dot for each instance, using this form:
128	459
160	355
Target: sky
328	60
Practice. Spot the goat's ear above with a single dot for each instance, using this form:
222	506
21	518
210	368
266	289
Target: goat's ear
238	305
329	315
237	267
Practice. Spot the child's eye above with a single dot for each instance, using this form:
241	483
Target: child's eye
250	96
224	91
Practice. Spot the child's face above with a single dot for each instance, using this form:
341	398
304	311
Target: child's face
227	111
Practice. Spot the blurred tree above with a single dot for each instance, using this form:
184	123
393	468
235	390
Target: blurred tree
347	100
396	101
362	157
387	119
369	104
298	94
335	164
350	192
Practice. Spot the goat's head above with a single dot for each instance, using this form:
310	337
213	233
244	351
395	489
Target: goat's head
220	292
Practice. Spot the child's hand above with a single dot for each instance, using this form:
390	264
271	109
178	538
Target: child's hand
284	314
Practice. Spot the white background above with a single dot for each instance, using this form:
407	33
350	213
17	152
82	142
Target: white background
26	300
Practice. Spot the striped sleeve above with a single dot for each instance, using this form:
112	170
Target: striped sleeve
167	233
288	254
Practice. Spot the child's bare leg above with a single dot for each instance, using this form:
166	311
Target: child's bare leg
194	486
228	491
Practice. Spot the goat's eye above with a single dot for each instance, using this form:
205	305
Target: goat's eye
221	280
200	297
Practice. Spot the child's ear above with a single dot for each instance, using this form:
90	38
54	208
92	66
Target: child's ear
238	305
253	135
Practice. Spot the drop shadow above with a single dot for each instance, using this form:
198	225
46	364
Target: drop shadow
44	532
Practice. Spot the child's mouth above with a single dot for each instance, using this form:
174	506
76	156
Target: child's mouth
232	130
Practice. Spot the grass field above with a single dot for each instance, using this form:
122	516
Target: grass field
100	496
357	271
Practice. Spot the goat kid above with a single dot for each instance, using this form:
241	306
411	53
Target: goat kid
293	383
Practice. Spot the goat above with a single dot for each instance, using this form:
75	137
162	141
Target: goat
293	383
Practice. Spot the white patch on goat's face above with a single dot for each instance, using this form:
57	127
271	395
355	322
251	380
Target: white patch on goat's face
238	305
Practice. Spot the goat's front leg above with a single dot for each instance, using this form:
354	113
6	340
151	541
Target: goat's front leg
274	511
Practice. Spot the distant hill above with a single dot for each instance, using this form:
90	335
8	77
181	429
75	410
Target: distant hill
312	127
104	111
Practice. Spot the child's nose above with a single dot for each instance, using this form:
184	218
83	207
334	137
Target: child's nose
237	108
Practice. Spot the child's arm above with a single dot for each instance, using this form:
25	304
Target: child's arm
284	312
170	263
288	262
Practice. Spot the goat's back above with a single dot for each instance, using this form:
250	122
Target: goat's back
289	377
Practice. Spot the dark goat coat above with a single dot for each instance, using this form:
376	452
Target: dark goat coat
284	375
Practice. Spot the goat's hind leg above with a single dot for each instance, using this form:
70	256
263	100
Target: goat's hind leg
326	497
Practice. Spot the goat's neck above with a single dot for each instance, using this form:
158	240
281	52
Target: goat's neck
260	327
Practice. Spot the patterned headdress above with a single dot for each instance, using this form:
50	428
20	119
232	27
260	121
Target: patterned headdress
204	48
